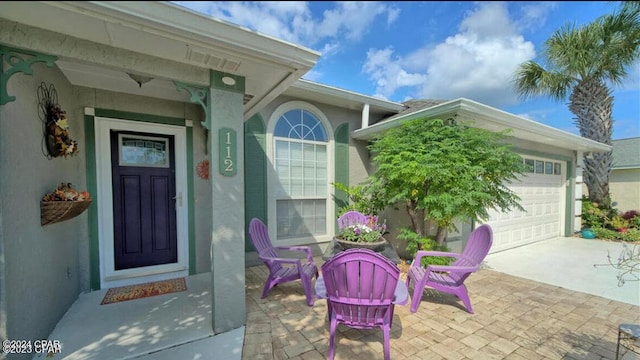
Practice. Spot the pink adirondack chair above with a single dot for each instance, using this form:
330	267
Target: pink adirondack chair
362	289
450	278
282	269
351	218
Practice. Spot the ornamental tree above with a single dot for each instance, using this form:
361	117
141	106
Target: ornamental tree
444	171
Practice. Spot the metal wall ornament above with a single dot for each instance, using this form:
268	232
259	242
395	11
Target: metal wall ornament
202	169
56	140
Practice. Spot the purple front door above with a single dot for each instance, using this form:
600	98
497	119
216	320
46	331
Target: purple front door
144	191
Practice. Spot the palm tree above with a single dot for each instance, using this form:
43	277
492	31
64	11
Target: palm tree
583	61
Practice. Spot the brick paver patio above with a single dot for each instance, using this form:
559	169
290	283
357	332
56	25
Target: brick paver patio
514	318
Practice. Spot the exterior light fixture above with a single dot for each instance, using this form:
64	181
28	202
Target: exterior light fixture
140	79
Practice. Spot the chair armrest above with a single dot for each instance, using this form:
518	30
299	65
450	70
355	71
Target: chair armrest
304	249
280	260
422	253
447	268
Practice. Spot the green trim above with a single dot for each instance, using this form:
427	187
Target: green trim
569	210
92	187
125	115
92	182
198	95
191	204
255	174
17	64
218	78
341	165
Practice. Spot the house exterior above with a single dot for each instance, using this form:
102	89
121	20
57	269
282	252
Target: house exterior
138	75
624	182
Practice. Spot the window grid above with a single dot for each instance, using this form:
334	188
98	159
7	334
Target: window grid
542	167
301	164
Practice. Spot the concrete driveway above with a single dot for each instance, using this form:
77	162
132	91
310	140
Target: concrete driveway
568	262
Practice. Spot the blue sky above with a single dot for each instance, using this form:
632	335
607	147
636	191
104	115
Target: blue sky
432	49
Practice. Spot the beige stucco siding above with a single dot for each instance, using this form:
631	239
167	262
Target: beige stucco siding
40	274
624	186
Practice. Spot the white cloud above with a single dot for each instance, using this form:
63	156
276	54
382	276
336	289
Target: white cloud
294	21
476	63
388	73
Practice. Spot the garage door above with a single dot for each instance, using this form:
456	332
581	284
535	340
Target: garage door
543	198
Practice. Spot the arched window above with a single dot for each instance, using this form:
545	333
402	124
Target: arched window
301	177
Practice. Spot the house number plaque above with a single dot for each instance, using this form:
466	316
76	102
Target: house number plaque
228	153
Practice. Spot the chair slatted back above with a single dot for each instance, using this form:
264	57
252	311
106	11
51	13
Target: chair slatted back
259	235
351	218
360	285
478	246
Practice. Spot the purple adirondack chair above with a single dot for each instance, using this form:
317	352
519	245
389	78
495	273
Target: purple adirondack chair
351	218
450	278
361	288
282	269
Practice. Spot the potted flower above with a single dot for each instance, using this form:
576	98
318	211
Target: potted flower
358	230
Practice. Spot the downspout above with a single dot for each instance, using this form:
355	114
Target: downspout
365	117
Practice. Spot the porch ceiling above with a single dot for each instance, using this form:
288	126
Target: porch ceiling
163	31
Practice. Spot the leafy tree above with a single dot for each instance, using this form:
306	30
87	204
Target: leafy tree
582	61
444	171
362	198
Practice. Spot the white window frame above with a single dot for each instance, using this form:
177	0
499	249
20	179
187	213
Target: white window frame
272	176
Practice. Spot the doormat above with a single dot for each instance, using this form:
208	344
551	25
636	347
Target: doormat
140	291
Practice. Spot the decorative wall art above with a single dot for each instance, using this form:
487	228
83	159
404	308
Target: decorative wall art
56	139
203	169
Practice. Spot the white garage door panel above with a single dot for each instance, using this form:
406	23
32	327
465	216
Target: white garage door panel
542	197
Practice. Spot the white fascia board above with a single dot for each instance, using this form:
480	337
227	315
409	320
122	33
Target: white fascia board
524	128
182	24
434	112
342	94
530	127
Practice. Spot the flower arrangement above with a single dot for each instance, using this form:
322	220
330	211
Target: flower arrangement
56	127
369	231
59	141
65	192
63	204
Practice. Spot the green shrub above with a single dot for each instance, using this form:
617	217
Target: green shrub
416	242
631	235
618	222
592	215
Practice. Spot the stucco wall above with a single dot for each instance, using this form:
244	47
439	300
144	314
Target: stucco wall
41	263
624	186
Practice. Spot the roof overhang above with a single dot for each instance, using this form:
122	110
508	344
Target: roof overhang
159	30
312	91
487	117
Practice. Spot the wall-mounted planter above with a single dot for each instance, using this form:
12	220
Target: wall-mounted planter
56	211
